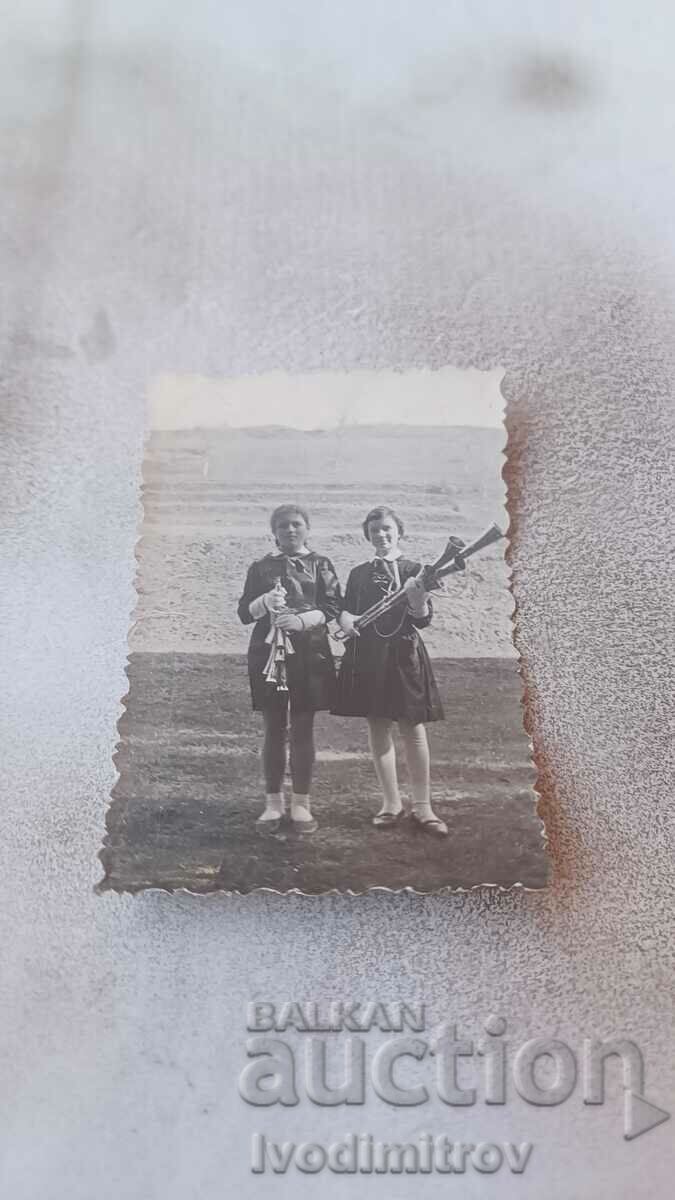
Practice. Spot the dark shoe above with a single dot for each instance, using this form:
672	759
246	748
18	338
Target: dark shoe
304	827
387	820
271	825
432	825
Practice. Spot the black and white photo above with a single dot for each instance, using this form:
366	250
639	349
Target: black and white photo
323	687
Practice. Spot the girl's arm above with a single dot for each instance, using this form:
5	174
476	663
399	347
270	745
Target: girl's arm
255	602
328	591
249	593
420	609
420	621
349	607
351	593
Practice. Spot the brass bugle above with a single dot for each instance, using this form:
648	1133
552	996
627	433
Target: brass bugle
451	561
493	534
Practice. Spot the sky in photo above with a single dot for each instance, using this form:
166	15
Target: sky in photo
326	399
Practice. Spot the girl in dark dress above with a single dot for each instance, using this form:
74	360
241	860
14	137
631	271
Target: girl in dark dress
386	674
298	590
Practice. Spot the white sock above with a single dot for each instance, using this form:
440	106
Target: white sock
383	752
300	808
274	807
417	756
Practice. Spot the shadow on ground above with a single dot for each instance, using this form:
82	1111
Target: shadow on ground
189	790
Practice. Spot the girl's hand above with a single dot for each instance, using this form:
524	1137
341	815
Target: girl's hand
416	595
275	600
289	622
346	621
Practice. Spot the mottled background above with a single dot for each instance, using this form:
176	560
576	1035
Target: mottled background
294	186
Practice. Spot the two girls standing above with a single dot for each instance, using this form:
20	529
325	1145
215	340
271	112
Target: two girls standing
385	674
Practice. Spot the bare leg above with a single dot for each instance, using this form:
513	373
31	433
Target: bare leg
384	760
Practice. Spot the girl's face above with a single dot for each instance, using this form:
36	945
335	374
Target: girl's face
383	534
291	533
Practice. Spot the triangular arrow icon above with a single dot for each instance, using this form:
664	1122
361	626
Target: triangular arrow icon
639	1116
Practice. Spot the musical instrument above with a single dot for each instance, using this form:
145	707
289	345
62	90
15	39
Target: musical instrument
450	561
280	647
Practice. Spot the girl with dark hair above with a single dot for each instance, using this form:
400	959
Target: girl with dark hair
386	674
297	590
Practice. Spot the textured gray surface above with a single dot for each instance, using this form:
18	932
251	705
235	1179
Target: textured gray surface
303	188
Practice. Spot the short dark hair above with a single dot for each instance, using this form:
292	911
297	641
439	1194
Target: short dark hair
285	510
380	513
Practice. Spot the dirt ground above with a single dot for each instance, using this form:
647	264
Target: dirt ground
190	789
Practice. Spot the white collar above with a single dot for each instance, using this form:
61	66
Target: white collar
391	556
299	553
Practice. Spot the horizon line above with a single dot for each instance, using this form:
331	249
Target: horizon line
341	426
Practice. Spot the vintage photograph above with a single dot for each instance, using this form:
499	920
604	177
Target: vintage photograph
323	687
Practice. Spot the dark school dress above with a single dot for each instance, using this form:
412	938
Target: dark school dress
310	582
386	671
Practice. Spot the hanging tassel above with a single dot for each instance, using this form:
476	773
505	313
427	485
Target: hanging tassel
275	667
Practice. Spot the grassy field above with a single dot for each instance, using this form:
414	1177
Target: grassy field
190	789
